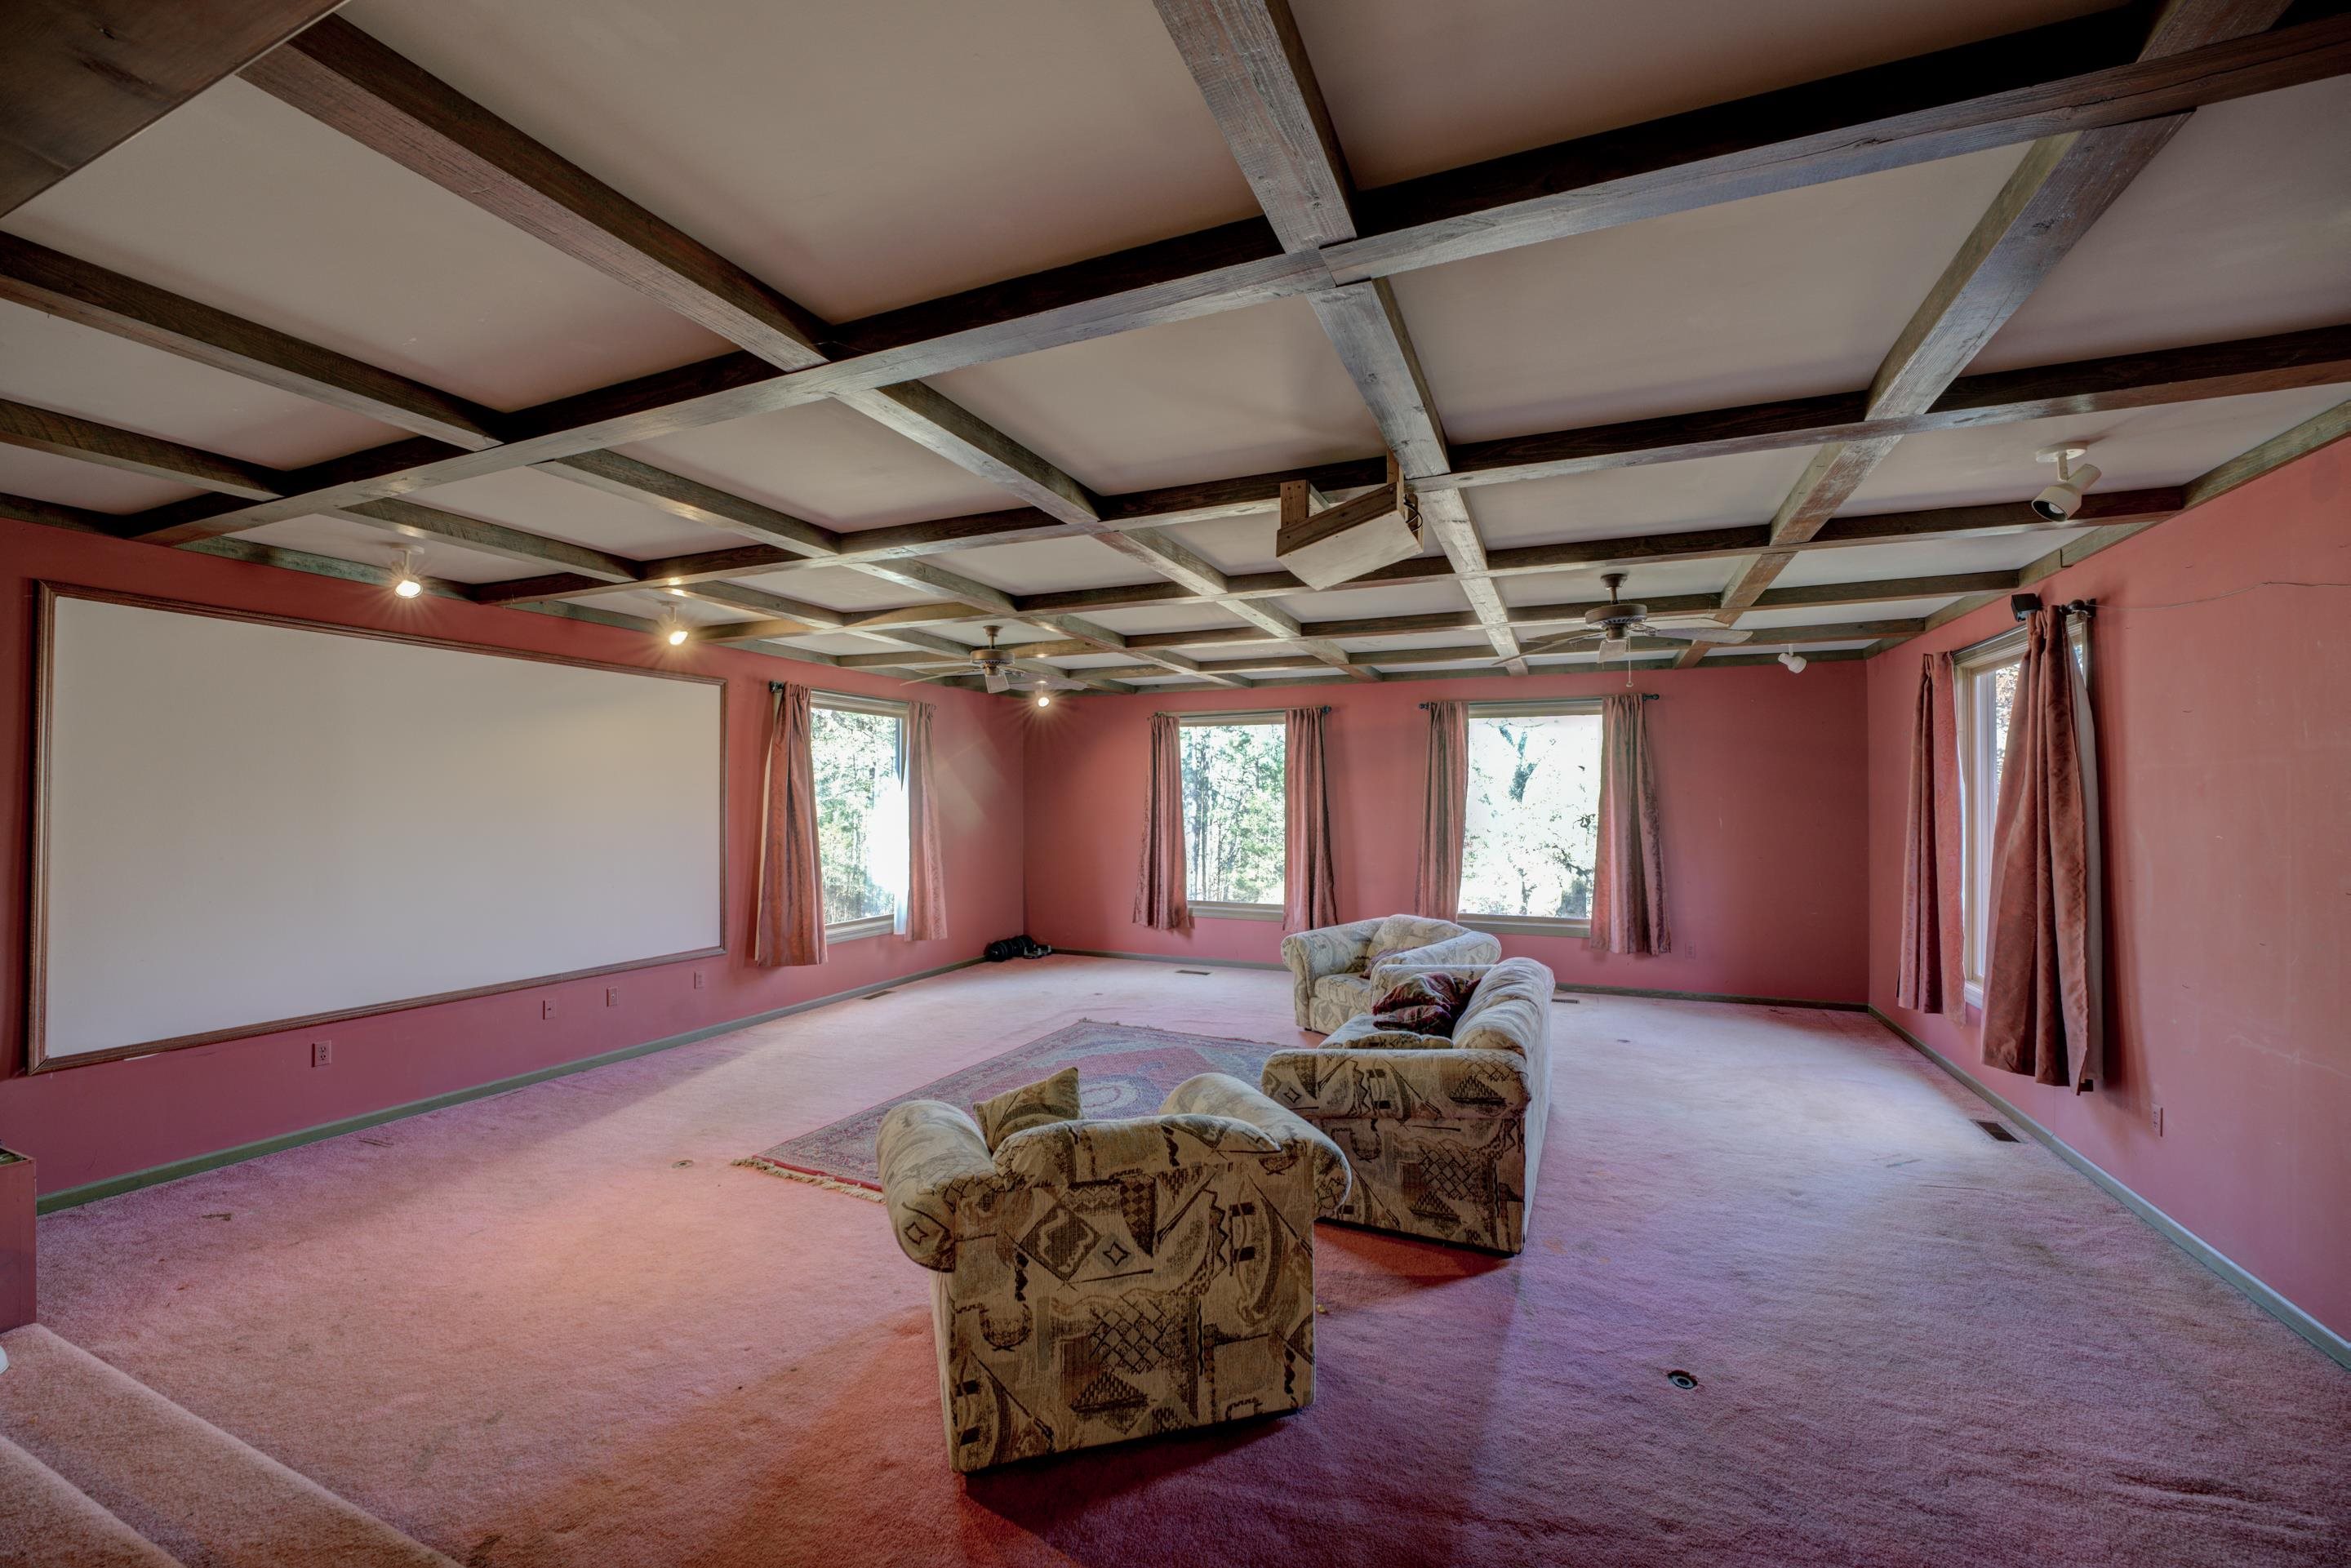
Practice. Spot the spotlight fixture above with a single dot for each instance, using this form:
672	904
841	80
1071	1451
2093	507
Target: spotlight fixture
672	630
2063	498
1795	661
404	580
1044	699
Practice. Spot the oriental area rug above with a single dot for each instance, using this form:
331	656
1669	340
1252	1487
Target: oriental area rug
1123	1070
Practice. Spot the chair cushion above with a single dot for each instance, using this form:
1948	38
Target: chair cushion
1048	1099
1352	992
1424	1002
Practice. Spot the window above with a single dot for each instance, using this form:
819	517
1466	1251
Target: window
1235	841
858	750
1531	832
1986	678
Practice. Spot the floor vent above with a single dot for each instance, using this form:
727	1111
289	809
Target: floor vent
1191	971
882	992
1995	1131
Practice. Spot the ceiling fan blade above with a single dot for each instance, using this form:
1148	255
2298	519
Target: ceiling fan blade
997	680
1699	633
926	680
1549	645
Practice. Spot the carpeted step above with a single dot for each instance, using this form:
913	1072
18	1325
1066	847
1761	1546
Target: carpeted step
203	1497
46	1520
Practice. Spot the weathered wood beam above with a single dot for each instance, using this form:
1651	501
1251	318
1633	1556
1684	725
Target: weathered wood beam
151	457
90	296
937	422
696	501
78	78
340	75
430	524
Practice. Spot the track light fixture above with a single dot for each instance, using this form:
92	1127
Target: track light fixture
673	630
1795	661
1044	699
406	582
2063	500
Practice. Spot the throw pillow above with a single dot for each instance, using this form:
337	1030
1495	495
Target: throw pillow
1425	1002
1053	1099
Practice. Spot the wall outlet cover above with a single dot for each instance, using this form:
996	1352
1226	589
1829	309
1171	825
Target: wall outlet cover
697	979
611	995
547	1009
322	1052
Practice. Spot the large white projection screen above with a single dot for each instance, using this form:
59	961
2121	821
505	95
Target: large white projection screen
245	824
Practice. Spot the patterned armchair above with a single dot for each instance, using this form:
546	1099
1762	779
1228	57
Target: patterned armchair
1443	1134
1330	967
1098	1281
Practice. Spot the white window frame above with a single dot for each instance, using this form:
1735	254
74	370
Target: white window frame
1972	668
843	702
1524	925
1229	909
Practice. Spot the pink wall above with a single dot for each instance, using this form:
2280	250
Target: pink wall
2225	745
86	1124
1761	775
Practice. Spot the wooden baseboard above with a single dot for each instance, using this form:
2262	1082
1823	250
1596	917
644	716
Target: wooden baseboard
196	1165
1709	997
2246	1282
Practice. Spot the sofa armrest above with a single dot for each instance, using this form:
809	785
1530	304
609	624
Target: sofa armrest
1219	1095
1326	950
1399	1086
932	1156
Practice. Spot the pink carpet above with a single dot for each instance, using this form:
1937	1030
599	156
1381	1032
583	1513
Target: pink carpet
558	1327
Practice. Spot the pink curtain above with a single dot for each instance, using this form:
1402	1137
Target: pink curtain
924	918
789	927
1445	810
1308	899
2044	982
1159	888
1932	978
1628	880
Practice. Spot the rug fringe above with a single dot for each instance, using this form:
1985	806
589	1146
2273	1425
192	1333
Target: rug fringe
813	1179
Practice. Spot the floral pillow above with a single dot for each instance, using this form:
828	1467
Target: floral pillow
1053	1099
1425	1002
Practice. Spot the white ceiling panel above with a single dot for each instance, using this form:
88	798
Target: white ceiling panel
70	482
839	588
827	464
1922	557
54	364
1654	581
1827	645
1878	610
1459	635
1395	599
1045	565
1162	618
1241	391
861	156
1788	295
542	503
243	203
2142	448
2241	227
1650	498
1545	70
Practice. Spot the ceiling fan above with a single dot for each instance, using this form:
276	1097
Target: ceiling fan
996	668
1616	624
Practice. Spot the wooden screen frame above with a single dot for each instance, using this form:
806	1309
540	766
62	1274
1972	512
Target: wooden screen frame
48	594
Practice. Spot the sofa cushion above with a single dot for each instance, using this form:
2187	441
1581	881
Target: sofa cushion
1408	933
1048	1099
1351	992
1425	1002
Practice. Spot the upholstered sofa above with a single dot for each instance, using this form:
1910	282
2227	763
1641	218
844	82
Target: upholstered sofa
1098	1281
1443	1133
1330	967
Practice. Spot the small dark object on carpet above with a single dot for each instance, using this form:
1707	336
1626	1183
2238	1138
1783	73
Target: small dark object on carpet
1681	1379
1995	1131
1191	971
1022	946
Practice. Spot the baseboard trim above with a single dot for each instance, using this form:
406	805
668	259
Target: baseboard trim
2247	1283
1710	997
1172	958
196	1165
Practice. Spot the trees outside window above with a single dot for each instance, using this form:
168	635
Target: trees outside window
859	758
1530	833
1235	838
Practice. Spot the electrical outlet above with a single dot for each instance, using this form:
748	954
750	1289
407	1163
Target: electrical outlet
322	1052
611	995
2155	1119
697	979
547	1008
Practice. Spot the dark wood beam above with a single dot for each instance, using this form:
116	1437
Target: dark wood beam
340	75
78	78
432	524
2068	77
90	296
85	439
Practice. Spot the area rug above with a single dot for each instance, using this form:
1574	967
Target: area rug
1123	1070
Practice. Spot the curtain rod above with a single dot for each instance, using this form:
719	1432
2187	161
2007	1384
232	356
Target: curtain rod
1644	696
1229	712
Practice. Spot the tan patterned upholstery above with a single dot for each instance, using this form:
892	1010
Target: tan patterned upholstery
1443	1136
1101	1281
1327	965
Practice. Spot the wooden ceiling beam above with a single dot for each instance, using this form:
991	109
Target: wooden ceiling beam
2049	202
78	78
340	75
425	524
695	501
127	451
